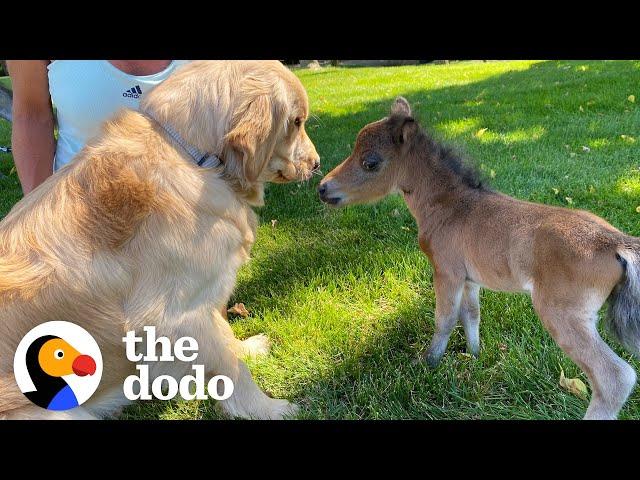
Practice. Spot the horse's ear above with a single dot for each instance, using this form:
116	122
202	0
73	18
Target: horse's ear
401	107
403	130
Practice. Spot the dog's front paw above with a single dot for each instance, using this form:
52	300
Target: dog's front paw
256	346
282	409
266	408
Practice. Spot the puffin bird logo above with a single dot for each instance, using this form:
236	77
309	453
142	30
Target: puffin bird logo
50	358
58	365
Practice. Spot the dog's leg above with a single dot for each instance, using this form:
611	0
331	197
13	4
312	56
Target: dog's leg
256	346
470	317
109	404
218	352
37	413
611	378
449	290
248	401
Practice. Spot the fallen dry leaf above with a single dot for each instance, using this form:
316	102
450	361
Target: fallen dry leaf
556	191
628	138
481	132
274	222
239	309
569	200
492	173
395	212
632	98
12	171
586	149
638	209
575	386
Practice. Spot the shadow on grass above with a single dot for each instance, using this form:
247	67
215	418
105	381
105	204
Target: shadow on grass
529	167
532	122
384	378
537	122
378	377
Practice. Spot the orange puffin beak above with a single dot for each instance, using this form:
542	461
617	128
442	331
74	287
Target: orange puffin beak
84	365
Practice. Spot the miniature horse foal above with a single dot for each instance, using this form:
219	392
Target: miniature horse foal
570	261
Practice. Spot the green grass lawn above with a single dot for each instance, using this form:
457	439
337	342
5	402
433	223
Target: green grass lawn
10	191
346	295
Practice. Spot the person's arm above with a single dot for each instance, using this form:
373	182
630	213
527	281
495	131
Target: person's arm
32	139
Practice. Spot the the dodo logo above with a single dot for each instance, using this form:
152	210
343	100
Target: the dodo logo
58	365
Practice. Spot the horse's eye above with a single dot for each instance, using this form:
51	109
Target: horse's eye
370	163
297	122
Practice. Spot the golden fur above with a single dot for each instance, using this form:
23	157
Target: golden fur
133	233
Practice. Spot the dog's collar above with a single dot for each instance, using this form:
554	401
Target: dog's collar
202	159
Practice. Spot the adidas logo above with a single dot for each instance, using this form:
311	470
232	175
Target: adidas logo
134	92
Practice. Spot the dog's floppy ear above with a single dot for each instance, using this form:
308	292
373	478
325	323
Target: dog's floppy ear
251	129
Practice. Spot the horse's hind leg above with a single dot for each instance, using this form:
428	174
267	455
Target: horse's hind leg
611	378
470	317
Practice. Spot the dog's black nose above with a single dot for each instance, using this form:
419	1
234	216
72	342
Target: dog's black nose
322	190
316	165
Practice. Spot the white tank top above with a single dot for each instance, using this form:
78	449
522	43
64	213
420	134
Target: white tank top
88	92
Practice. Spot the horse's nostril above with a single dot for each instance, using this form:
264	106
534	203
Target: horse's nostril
322	189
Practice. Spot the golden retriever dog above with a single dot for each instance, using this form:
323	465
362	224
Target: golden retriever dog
134	233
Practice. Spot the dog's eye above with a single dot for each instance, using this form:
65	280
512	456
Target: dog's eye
297	122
